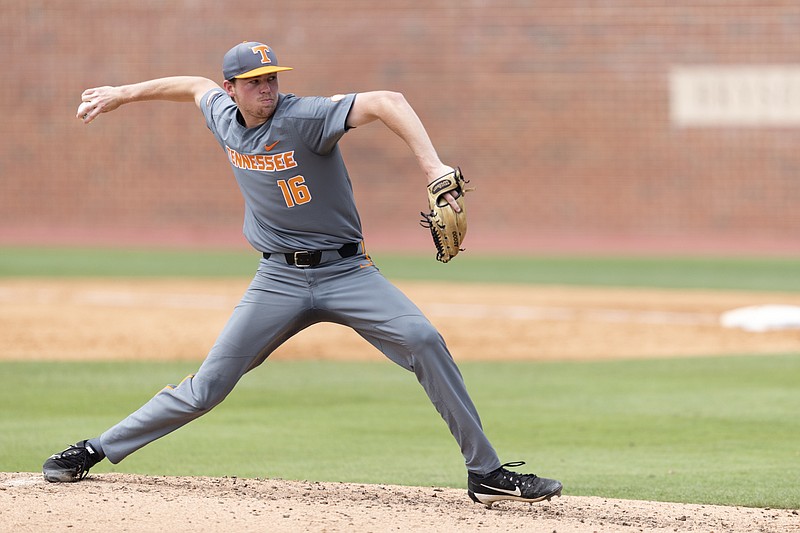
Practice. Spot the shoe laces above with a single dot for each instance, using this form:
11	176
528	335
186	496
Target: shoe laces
520	480
82	458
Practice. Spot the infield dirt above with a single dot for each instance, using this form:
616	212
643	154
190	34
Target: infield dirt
141	319
105	319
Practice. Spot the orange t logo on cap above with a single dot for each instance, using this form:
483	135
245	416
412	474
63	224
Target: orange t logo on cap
262	49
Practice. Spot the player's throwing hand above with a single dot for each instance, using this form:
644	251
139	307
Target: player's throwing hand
98	100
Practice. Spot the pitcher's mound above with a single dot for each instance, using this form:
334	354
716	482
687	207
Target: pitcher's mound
126	502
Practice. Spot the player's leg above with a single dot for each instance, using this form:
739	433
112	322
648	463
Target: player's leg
271	310
384	316
269	313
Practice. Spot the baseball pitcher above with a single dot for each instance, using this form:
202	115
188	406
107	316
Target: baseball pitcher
300	214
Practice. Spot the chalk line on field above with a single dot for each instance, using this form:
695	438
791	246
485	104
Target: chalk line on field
533	313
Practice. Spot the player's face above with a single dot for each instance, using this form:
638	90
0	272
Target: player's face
256	97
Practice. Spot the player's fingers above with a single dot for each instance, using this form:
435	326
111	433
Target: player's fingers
87	111
92	104
83	109
88	95
451	199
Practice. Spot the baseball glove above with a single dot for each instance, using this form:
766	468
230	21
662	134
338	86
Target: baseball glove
448	228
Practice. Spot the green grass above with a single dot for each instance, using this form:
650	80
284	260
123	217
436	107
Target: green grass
109	262
767	274
702	430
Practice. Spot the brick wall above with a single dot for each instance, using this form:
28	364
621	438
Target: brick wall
557	110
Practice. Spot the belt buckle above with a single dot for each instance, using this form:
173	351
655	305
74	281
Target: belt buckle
303	259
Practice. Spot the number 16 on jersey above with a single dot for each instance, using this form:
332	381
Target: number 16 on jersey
295	191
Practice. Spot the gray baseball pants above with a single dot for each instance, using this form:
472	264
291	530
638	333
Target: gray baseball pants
283	300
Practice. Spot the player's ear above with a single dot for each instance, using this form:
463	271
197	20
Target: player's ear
230	88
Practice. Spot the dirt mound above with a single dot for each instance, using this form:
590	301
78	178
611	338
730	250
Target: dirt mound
124	502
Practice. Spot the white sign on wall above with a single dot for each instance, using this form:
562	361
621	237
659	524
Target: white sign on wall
747	95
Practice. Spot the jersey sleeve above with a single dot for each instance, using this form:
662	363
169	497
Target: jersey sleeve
213	104
322	121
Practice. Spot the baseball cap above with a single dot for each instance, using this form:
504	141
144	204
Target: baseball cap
250	59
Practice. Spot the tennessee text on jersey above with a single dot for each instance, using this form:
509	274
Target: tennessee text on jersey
262	162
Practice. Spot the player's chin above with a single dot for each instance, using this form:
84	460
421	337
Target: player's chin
266	111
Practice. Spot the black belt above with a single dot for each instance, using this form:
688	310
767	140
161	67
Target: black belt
310	258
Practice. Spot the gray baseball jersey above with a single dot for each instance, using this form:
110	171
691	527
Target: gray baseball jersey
297	192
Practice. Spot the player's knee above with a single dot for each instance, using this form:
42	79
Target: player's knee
200	395
210	398
203	404
423	337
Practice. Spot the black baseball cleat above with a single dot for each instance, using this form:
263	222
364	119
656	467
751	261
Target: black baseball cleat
503	484
72	464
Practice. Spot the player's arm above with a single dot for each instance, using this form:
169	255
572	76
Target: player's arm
176	89
396	113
